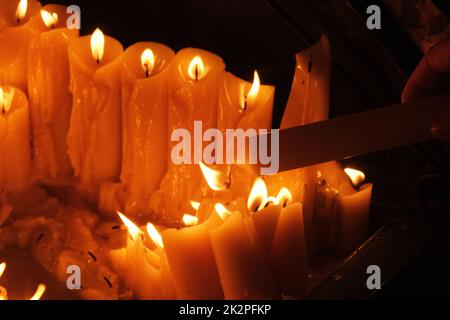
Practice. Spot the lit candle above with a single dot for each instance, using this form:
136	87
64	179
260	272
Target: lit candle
144	122
16	32
139	266
354	209
191	261
194	79
243	105
94	138
243	273
15	160
3	292
50	98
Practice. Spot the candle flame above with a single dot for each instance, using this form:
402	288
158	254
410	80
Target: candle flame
133	229
258	196
214	178
39	292
357	177
3	294
6	100
21	11
254	91
195	205
222	211
148	61
2	268
155	235
98	45
284	197
49	19
196	69
190	221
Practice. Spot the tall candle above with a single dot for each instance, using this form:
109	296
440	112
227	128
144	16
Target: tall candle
16	32
194	80
144	122
15	160
50	98
308	102
94	138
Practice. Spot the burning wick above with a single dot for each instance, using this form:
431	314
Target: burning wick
148	61
155	235
189	220
49	19
357	177
39	292
257	199
196	69
98	45
21	11
214	178
6	100
253	92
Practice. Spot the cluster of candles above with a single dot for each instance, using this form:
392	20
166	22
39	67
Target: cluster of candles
101	119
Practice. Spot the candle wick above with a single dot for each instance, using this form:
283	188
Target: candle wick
98	60
18	20
245	103
196	73
147	73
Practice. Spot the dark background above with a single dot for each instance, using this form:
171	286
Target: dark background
369	66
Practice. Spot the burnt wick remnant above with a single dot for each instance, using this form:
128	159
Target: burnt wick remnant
108	282
115	227
39	238
92	256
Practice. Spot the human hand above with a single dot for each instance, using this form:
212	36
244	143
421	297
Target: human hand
432	77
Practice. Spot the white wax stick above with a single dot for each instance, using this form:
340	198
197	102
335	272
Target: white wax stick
360	133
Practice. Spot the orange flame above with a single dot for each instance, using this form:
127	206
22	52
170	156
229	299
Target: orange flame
222	211
258	196
195	205
49	19
2	268
357	177
254	90
214	178
190	221
98	45
21	10
6	100
196	69
148	61
284	197
155	235
39	292
133	229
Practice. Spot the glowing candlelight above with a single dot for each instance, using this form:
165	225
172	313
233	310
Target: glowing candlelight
214	178
195	205
284	197
21	11
148	61
39	292
133	229
6	100
223	212
357	177
196	69
189	220
3	292
155	235
252	94
49	19
98	45
258	196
